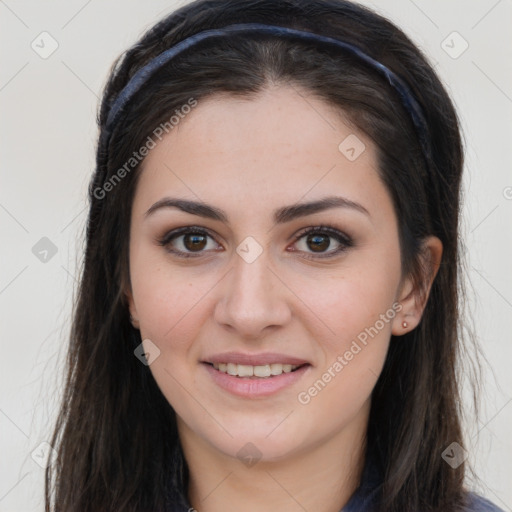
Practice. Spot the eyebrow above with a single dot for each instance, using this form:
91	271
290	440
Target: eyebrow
281	215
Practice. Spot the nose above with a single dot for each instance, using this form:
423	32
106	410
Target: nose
254	299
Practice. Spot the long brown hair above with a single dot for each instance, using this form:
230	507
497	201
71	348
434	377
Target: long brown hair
116	435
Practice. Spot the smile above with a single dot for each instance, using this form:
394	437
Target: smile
260	371
258	381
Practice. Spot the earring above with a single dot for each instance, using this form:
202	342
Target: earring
404	324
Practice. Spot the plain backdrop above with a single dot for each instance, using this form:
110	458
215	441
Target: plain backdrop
48	134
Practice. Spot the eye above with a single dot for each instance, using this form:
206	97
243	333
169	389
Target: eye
188	242
319	239
192	242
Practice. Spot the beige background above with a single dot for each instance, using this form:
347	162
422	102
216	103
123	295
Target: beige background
48	135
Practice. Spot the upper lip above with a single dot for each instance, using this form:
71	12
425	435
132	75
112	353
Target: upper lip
254	359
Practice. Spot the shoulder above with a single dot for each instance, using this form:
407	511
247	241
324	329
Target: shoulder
477	503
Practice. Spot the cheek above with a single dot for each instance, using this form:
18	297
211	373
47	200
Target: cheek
357	308
353	357
353	300
166	296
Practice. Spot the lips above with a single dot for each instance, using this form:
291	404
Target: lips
247	375
255	359
252	386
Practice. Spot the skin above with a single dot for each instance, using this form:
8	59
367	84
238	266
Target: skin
250	157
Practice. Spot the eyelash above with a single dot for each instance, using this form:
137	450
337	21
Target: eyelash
344	240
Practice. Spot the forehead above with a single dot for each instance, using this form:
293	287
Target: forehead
274	148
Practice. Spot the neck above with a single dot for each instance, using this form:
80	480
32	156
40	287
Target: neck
322	477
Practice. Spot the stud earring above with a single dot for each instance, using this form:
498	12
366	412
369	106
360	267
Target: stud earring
404	324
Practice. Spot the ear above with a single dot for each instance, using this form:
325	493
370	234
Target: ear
128	295
414	290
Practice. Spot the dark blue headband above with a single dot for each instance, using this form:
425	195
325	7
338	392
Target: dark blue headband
144	73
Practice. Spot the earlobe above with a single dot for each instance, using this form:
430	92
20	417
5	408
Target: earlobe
415	290
132	309
404	320
134	322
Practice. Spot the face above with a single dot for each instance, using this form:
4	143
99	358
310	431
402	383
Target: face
246	281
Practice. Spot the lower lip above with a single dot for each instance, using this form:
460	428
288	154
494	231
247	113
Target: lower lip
255	387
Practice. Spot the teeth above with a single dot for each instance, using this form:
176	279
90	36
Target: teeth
245	370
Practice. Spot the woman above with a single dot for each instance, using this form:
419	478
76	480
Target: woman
267	316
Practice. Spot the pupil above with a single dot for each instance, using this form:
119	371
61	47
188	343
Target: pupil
317	242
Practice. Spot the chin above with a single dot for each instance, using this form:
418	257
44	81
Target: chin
262	443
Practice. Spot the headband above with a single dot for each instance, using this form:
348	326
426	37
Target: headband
146	72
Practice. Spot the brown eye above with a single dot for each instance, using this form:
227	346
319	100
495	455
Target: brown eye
319	239
194	242
318	243
188	242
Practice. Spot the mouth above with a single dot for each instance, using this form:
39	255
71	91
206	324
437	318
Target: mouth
246	371
255	382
